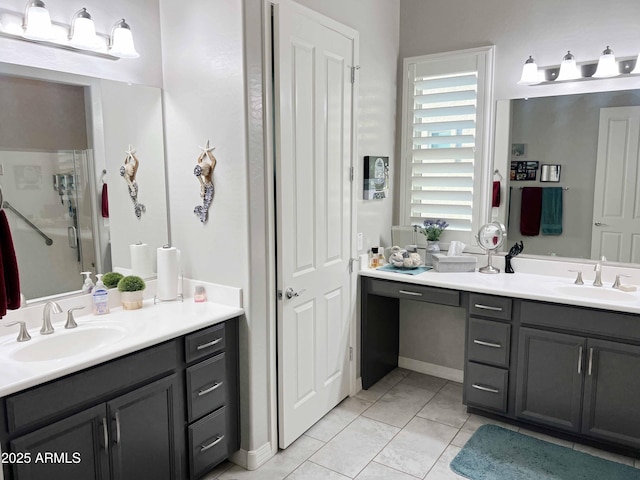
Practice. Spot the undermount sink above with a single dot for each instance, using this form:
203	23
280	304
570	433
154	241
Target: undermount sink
595	293
66	343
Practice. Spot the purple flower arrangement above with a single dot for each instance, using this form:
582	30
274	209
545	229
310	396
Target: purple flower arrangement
433	229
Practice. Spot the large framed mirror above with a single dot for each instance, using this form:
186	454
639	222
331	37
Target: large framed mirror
63	137
593	137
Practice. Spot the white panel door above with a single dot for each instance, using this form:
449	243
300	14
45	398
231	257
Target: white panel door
313	119
616	203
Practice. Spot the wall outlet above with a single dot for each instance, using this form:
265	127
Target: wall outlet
360	241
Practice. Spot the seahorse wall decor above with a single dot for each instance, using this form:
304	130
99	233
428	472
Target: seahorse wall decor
129	171
204	172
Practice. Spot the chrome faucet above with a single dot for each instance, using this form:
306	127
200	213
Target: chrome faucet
47	328
597	282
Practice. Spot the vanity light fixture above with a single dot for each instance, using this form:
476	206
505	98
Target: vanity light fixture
37	22
530	74
636	69
607	66
83	31
121	41
568	69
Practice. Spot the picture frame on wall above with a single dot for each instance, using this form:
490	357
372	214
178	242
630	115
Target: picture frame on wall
519	150
376	177
523	171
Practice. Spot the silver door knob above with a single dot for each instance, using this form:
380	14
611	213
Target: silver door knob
290	292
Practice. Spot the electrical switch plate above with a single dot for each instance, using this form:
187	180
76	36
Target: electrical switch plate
360	241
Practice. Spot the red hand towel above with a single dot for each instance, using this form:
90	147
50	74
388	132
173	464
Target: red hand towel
9	265
495	202
105	201
530	211
3	290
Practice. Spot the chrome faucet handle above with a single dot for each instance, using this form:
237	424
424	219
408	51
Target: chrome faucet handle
617	284
47	328
579	280
23	336
71	322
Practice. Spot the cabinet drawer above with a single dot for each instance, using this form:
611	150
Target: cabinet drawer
207	442
490	306
204	343
206	387
488	342
414	292
486	386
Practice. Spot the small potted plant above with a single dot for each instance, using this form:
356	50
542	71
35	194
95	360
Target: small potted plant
132	290
432	230
111	279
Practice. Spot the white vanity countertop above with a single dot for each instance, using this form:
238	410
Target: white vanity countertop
530	286
150	325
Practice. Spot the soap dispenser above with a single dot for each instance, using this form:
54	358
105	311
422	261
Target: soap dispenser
100	297
88	285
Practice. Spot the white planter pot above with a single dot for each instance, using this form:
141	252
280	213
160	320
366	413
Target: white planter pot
132	300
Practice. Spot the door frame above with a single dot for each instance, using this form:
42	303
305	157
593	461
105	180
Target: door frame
269	171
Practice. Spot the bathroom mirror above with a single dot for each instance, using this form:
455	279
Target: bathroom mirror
564	131
62	137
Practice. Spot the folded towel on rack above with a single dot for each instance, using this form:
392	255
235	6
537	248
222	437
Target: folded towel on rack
105	201
495	199
551	217
530	210
9	276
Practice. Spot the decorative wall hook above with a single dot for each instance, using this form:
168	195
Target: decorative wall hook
129	171
204	172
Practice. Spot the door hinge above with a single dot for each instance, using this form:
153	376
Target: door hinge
353	73
350	354
352	173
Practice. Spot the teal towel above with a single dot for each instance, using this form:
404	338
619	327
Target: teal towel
551	216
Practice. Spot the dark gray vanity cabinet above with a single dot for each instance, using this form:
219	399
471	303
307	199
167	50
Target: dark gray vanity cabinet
133	417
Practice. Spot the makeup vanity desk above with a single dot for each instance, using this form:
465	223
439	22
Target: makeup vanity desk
539	350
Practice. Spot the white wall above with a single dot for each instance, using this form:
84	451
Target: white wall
141	15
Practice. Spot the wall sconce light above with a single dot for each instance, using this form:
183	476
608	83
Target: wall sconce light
636	70
37	22
34	25
530	74
121	41
568	68
607	66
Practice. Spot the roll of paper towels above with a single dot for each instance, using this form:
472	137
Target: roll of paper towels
141	260
168	272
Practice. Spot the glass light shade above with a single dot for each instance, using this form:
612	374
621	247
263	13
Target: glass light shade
568	68
636	69
83	32
122	41
37	23
607	65
530	75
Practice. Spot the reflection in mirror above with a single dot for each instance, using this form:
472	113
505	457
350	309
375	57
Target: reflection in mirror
58	134
595	141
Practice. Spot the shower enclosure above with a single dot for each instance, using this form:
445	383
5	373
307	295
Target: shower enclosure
49	198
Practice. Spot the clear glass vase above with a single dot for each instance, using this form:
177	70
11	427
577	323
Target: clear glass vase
433	246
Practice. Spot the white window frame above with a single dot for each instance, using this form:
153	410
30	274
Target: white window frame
481	210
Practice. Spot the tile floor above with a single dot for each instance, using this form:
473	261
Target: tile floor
406	426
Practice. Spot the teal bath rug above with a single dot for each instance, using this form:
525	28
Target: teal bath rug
495	453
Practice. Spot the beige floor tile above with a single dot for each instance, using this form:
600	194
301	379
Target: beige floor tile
476	421
312	471
446	406
354	447
219	470
399	405
281	465
614	457
547	438
417	447
441	470
428	382
385	384
338	418
461	438
377	471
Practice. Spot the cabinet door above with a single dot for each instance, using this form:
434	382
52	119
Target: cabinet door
144	431
73	448
549	380
611	392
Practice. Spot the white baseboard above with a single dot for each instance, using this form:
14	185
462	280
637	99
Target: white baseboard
431	369
358	384
252	460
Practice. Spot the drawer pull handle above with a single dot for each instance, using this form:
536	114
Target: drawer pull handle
487	344
204	448
106	433
117	419
485	389
590	360
210	344
488	307
580	361
210	389
407	292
